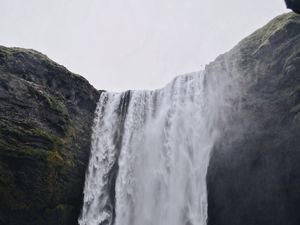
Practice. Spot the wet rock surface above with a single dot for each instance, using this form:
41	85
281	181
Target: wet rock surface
254	172
46	115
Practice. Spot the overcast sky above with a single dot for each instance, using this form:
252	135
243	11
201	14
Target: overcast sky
132	44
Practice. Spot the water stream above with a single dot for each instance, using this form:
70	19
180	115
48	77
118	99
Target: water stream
150	153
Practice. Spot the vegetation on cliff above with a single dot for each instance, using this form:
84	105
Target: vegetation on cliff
253	177
46	114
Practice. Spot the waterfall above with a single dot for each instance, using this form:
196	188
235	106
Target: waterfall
150	153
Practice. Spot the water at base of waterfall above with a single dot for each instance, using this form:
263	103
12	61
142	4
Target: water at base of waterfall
149	156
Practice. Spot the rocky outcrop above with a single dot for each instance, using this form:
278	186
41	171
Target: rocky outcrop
254	172
46	114
294	5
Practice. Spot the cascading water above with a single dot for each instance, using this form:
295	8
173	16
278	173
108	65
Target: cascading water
150	153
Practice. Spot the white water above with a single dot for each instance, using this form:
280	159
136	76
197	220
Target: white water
161	142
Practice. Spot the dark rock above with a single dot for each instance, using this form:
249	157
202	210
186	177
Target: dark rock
254	172
46	114
293	5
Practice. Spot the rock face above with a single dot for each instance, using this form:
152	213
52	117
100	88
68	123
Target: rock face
254	172
294	5
46	114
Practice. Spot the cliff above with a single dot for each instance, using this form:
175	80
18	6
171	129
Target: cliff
254	172
46	114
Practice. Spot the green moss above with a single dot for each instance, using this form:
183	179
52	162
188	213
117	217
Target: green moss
295	109
262	37
278	25
37	143
8	191
56	140
10	53
52	102
16	140
55	104
55	161
58	106
58	158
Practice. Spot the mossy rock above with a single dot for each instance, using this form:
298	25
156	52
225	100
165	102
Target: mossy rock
46	114
253	175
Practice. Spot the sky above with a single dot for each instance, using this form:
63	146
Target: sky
132	44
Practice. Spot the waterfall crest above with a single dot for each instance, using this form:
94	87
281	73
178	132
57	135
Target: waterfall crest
150	153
